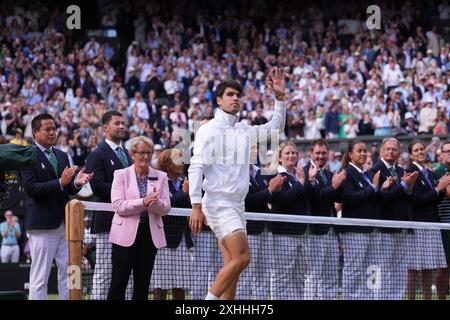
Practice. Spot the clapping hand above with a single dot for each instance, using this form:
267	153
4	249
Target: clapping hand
410	179
151	198
185	186
376	179
338	179
300	173
83	177
276	182
388	183
313	171
444	182
67	175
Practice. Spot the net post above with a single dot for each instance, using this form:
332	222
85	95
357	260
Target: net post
75	236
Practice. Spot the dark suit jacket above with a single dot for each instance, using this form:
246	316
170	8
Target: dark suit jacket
359	200
321	198
174	226
291	199
45	201
394	204
256	201
103	161
425	199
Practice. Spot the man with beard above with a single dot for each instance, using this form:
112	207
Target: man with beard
103	161
322	278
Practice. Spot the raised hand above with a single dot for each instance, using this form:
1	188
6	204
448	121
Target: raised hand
276	81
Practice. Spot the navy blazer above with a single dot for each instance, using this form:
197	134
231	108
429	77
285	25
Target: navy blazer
103	161
45	201
291	199
394	203
321	198
359	200
256	200
175	226
425	200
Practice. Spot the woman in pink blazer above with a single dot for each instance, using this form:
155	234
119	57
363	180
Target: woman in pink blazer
139	196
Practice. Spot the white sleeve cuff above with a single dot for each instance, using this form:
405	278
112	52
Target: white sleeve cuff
280	105
196	200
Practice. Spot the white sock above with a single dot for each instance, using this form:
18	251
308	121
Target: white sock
210	296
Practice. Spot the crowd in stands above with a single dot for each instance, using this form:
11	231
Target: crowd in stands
343	80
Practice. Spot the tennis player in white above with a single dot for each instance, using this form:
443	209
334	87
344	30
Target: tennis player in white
220	164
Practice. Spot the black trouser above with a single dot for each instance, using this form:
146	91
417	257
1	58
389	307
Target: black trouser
140	258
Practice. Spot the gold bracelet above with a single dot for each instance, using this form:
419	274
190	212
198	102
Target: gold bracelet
279	97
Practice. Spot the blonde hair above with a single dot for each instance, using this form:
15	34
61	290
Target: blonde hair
137	141
286	144
283	146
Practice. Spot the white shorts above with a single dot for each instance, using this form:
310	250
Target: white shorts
224	218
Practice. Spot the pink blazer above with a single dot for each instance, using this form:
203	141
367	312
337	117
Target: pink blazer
128	205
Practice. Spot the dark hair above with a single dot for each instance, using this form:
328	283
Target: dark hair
412	143
107	116
445	143
319	142
220	90
36	123
207	118
410	147
351	146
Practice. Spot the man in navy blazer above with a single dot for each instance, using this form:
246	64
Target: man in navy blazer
48	186
108	157
394	205
323	189
255	280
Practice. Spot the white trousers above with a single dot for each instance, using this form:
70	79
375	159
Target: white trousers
322	276
10	253
46	246
254	282
207	263
103	269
